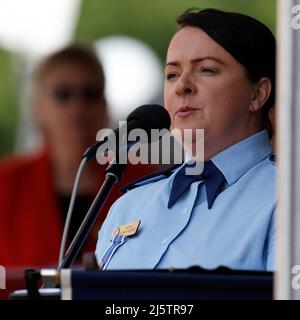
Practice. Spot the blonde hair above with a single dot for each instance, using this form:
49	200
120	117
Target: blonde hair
75	53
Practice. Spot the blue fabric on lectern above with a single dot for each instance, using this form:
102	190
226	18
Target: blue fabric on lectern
156	285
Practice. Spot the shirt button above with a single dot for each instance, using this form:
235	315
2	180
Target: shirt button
185	210
164	242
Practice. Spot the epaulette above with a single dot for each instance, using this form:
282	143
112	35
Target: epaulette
156	176
272	158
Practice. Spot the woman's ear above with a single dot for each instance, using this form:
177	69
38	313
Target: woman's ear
261	94
39	114
35	108
105	119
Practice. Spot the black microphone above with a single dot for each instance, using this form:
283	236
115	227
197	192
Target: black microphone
146	117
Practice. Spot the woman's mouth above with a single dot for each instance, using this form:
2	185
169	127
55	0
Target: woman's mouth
185	111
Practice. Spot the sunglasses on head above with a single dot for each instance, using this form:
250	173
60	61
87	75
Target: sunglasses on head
65	94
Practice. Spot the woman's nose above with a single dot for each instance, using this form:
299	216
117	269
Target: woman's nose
185	86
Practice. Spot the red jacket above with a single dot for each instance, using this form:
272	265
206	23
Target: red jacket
30	219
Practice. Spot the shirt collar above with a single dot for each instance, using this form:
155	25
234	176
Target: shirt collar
237	159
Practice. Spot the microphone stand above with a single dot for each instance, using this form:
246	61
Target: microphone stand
113	174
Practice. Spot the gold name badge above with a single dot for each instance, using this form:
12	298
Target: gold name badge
127	229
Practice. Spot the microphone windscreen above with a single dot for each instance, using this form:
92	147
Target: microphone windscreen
150	116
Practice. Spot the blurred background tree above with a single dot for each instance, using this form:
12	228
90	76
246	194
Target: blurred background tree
8	102
153	22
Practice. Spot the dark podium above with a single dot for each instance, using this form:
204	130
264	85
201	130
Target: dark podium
188	284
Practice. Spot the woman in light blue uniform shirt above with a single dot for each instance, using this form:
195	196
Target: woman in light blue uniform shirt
220	77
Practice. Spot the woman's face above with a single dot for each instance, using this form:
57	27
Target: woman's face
206	88
70	106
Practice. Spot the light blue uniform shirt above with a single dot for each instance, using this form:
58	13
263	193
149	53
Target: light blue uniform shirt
237	232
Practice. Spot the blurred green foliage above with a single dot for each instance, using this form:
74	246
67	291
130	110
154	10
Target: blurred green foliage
154	21
150	21
8	110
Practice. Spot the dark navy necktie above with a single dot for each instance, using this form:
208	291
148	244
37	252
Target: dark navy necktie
213	179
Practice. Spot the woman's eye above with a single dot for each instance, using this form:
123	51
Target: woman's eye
170	75
207	71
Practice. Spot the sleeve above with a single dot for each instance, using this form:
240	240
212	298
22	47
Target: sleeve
271	244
